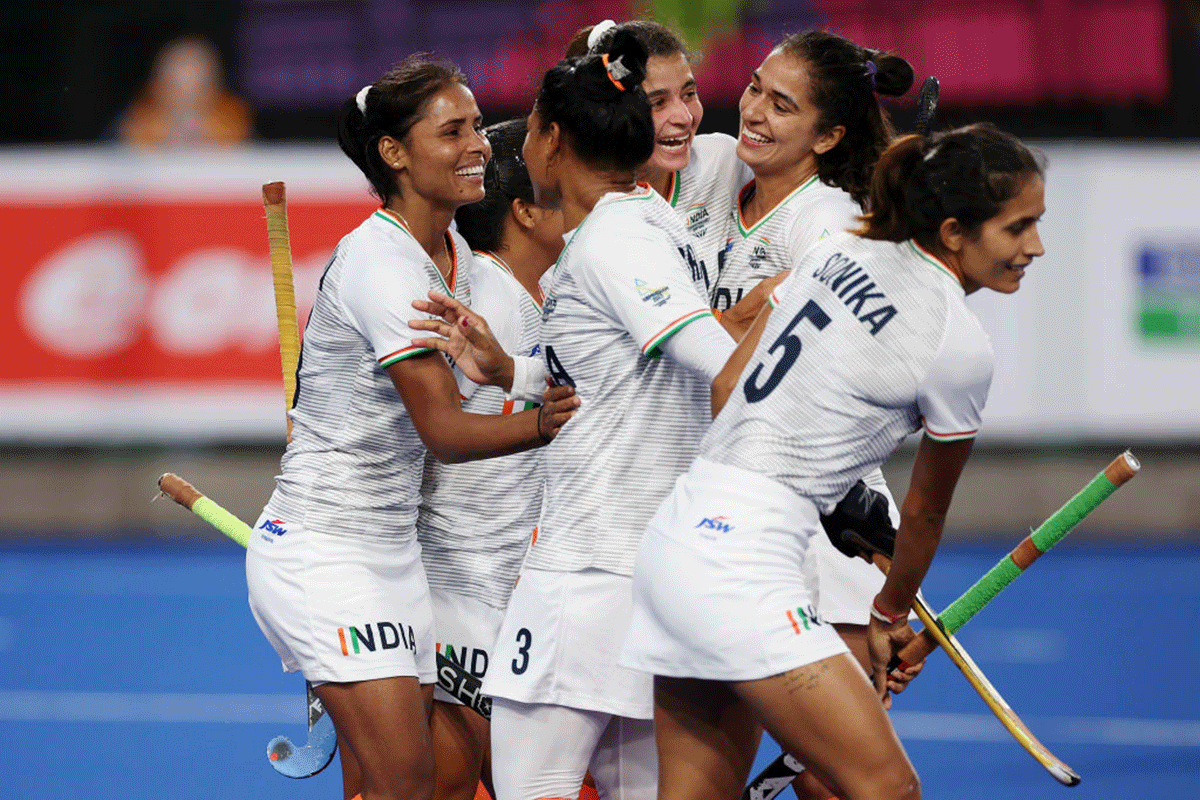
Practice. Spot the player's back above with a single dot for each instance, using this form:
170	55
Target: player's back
624	284
864	333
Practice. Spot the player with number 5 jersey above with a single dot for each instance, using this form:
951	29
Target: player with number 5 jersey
868	341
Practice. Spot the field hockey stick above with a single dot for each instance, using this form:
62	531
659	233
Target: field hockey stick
940	629
780	773
1032	547
280	246
287	758
927	102
453	678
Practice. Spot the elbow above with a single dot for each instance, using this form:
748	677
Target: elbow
722	388
440	446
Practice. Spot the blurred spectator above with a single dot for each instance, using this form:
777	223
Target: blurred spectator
185	102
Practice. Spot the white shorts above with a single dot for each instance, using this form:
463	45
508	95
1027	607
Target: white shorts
720	592
546	749
340	609
559	642
465	631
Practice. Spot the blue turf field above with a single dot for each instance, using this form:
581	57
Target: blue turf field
137	672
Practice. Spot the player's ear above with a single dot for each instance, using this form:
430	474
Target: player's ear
829	140
393	152
951	234
523	213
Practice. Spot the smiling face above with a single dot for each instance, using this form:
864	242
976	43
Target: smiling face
443	156
779	122
675	108
996	257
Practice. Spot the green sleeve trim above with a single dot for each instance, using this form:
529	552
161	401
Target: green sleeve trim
387	361
652	348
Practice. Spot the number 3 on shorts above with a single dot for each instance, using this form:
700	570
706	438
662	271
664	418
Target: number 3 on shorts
524	638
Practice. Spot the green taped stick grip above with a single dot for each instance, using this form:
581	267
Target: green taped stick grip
190	498
222	520
1048	534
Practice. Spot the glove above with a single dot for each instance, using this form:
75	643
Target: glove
859	523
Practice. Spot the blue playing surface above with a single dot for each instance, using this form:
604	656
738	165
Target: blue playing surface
136	671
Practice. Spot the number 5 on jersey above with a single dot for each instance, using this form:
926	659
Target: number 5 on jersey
791	345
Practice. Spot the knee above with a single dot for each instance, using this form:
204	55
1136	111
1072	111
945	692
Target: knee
895	782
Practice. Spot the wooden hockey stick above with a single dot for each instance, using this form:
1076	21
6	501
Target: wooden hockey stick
939	629
280	246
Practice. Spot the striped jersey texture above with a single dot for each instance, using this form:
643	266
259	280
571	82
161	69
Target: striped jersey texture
354	465
476	518
623	284
812	212
867	339
703	192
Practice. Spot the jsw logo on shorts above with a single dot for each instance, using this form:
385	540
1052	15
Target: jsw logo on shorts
803	619
471	659
276	527
717	524
391	635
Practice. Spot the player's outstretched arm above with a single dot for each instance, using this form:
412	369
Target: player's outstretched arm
727	379
427	387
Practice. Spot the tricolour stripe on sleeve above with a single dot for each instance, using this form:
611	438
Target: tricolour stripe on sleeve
650	348
951	437
400	355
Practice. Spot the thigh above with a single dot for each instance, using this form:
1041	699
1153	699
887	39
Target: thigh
828	716
385	722
707	739
625	764
542	751
460	740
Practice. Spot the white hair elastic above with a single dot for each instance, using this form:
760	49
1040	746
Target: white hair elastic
599	30
361	98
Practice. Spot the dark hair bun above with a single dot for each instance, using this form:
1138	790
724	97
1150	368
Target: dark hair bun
623	64
893	75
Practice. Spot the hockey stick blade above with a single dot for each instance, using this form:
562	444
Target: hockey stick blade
453	678
993	699
927	102
318	751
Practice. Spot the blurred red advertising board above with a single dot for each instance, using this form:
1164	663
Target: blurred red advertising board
126	294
